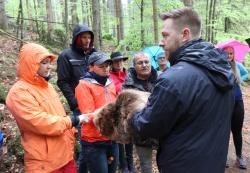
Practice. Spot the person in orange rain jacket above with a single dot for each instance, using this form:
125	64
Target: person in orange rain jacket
46	131
94	91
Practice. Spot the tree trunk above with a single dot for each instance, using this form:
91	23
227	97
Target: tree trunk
3	18
49	20
20	22
36	14
29	14
111	7
90	12
206	22
105	17
142	26
209	20
188	3
213	21
96	23
155	21
117	21
84	11
66	23
74	16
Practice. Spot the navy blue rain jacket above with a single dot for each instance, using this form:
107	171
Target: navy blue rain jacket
190	111
72	64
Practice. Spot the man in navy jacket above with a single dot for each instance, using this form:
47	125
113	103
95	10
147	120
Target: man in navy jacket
191	105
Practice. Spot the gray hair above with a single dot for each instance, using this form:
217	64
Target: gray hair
139	54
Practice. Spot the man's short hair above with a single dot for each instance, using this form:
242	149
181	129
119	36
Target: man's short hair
138	54
184	17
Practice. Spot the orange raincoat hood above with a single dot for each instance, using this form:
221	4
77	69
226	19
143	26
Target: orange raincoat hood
30	56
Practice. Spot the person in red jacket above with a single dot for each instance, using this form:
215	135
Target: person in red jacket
118	74
118	71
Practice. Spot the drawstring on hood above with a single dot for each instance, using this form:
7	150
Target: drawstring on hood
213	62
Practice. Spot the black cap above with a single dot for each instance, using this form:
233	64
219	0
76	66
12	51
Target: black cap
117	56
98	58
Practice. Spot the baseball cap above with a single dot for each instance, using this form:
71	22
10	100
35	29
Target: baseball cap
98	58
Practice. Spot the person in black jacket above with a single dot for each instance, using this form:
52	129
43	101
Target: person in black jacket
142	76
72	63
191	105
71	66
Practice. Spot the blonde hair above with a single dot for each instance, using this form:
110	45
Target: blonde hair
184	17
235	71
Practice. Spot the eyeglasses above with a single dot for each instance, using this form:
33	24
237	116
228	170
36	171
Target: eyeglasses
146	62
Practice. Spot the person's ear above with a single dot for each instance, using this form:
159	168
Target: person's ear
186	35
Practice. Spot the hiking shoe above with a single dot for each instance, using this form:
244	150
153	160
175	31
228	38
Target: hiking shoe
227	164
241	163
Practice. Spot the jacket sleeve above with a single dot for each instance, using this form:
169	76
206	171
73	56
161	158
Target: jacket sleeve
64	82
243	71
160	115
30	116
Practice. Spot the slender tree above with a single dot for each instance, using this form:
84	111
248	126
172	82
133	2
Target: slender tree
119	20
20	21
213	21
3	19
105	16
29	14
74	16
188	3
36	22
155	21
96	23
50	19
111	7
66	23
142	26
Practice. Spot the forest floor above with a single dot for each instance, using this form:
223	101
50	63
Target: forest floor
11	152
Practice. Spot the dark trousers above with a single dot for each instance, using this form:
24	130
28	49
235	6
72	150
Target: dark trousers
126	157
97	156
82	166
236	126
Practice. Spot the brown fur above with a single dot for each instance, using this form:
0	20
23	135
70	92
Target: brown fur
113	119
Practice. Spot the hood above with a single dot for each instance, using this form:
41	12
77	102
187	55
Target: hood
213	61
80	29
30	56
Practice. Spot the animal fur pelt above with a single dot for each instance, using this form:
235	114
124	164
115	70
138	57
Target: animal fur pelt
113	119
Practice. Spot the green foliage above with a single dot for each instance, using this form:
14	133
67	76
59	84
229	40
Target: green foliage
107	37
3	93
